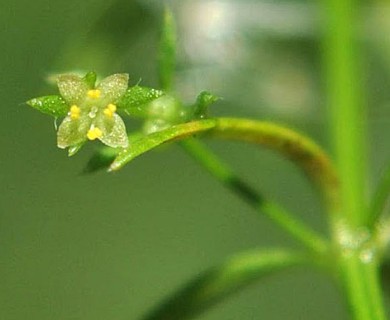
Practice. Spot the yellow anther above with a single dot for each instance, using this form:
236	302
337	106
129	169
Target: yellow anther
108	113
111	107
109	110
94	133
94	94
74	112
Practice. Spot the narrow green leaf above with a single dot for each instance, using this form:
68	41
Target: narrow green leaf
153	140
298	148
203	101
167	56
216	284
136	99
52	105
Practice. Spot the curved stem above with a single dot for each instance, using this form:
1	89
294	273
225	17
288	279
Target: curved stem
301	150
305	153
223	173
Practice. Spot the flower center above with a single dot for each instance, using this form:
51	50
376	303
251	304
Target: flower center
92	113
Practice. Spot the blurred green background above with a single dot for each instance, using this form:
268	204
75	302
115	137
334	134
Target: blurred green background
111	246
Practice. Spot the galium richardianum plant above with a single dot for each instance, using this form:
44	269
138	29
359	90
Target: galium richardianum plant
359	234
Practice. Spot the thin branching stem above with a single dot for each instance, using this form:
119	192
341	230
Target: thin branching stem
226	175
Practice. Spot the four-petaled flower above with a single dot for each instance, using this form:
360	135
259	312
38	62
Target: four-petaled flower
92	111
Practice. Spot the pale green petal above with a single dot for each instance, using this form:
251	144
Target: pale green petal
114	131
72	88
113	87
72	132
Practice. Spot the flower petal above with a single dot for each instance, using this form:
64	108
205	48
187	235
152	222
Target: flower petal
114	131
113	87
72	88
72	132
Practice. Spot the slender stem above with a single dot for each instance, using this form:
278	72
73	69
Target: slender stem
301	150
344	90
358	265
223	173
361	281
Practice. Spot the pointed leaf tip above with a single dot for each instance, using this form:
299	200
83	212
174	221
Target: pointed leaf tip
136	99
53	105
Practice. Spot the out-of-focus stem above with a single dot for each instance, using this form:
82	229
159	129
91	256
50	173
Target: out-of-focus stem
223	173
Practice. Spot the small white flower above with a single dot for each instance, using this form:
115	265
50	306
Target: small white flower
92	111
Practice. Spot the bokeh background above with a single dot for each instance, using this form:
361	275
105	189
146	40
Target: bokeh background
111	246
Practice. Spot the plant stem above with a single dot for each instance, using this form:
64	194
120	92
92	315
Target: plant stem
223	173
304	152
357	265
344	91
361	281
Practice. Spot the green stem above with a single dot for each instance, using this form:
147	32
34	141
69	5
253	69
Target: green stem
358	266
344	91
300	149
362	286
223	173
359	274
